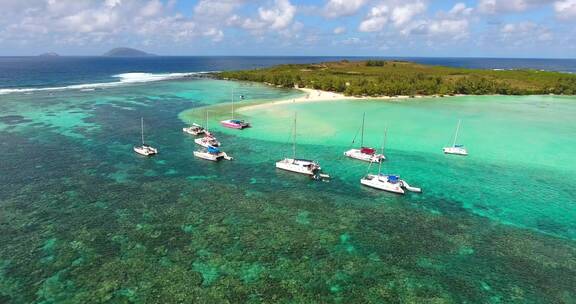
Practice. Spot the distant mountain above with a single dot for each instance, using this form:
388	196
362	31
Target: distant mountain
49	54
126	52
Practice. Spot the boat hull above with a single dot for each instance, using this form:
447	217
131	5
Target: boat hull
145	150
455	151
381	184
209	156
371	158
234	125
193	131
205	142
298	166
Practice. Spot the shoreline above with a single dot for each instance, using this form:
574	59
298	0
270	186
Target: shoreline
315	95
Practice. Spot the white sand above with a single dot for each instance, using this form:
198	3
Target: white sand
312	95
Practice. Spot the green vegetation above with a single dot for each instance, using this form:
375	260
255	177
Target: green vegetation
393	78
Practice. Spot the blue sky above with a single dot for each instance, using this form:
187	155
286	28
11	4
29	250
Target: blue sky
474	28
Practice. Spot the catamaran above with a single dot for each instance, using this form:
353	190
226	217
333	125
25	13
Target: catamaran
301	166
456	148
234	123
144	149
212	154
208	140
196	129
364	153
387	182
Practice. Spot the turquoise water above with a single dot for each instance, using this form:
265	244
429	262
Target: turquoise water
85	220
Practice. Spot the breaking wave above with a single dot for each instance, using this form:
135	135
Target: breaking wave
125	78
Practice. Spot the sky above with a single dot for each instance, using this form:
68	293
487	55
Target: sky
424	28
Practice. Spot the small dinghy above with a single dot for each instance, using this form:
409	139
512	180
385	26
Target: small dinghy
455	148
366	154
301	166
387	182
212	154
235	123
144	149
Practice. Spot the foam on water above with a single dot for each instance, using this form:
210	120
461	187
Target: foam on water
125	78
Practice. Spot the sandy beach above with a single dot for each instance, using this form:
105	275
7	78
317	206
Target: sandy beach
313	95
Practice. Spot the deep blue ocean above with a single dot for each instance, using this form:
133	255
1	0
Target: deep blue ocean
37	72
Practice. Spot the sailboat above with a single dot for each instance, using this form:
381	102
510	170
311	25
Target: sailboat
456	148
234	123
208	140
387	182
364	153
196	129
301	166
145	149
212	154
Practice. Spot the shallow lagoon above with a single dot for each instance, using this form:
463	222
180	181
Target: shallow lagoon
83	219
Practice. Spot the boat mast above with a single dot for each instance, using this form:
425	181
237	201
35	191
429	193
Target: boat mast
457	130
142	128
383	143
362	136
232	103
206	120
294	139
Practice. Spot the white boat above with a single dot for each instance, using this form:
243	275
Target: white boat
366	154
145	149
195	129
390	183
387	182
301	166
235	123
207	141
455	148
212	154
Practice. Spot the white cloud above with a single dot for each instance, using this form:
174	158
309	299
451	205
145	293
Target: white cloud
524	33
376	19
339	30
402	14
339	8
279	16
398	13
565	9
508	6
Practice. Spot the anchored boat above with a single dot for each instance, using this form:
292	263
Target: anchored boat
364	153
195	129
235	123
301	166
212	154
455	148
387	182
144	149
208	140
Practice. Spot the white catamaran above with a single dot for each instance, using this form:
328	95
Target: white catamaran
301	166
456	148
364	153
212	154
387	182
196	129
208	140
234	123
144	149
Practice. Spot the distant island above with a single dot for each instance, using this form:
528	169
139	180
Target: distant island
401	78
126	52
49	54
